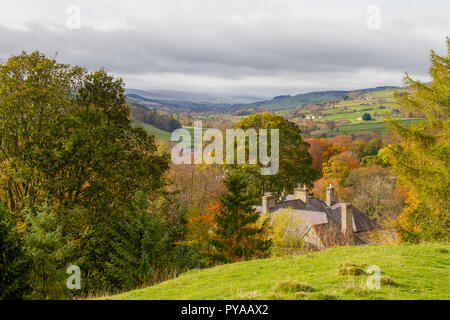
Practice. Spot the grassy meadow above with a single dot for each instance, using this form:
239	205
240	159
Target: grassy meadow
407	272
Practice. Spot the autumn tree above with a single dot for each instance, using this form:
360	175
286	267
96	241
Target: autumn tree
200	227
330	149
339	166
343	140
331	124
375	192
315	150
195	185
334	171
420	154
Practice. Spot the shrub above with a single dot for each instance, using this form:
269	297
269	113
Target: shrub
347	269
286	232
323	296
290	286
386	280
242	295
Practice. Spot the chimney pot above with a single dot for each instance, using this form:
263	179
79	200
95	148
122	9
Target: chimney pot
301	193
329	196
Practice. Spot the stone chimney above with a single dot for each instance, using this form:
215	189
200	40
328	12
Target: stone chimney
330	196
347	220
301	193
268	202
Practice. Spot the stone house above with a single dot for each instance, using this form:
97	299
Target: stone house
322	223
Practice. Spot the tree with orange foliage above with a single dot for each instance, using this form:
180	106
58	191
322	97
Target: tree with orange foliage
315	150
200	230
339	166
335	170
330	149
343	140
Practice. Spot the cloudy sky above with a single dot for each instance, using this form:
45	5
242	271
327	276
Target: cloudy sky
239	47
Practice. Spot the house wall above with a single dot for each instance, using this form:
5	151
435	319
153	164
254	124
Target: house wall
313	240
379	236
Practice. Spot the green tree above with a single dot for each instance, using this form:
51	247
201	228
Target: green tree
144	248
66	140
371	148
420	155
295	163
15	265
238	235
51	253
366	116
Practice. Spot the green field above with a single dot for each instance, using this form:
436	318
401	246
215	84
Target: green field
158	133
162	135
378	104
407	272
360	127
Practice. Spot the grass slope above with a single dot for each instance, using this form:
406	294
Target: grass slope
414	272
158	133
165	135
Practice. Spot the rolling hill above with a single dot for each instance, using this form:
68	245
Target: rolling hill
408	271
290	102
185	101
158	133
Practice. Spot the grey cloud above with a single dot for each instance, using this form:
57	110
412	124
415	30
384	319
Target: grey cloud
287	49
214	52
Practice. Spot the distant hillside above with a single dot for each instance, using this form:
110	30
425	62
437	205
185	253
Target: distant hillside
290	102
184	101
407	272
193	97
159	134
162	121
174	105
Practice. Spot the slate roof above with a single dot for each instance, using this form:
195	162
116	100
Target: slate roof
361	222
316	212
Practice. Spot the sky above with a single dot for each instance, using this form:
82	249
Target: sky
256	48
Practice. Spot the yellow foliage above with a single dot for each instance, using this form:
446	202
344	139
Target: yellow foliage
286	232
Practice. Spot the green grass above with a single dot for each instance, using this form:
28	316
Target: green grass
408	272
360	127
161	134
158	133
